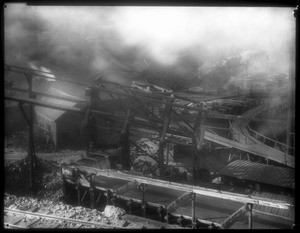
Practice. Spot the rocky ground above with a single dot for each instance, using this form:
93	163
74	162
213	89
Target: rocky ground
47	198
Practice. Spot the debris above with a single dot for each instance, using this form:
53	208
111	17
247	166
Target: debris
112	211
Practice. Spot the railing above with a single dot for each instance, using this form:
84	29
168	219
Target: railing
262	138
275	144
241	136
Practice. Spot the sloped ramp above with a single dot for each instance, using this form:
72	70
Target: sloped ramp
266	152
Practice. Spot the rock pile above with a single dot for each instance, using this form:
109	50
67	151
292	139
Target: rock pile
18	140
47	178
111	215
112	211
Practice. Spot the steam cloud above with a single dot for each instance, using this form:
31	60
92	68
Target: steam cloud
122	42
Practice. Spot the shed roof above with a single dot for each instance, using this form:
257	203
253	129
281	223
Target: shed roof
261	173
37	85
54	114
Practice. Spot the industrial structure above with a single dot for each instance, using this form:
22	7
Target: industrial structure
187	128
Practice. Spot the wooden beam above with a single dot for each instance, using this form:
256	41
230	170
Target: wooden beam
213	127
179	202
27	118
43	104
126	187
59	97
26	71
223	116
233	218
188	188
183	120
149	99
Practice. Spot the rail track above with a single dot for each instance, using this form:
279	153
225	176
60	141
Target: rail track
18	219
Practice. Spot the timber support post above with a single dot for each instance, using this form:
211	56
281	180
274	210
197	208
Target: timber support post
143	200
90	120
161	159
109	197
124	141
30	121
130	206
250	207
162	142
92	191
162	212
78	193
193	210
198	142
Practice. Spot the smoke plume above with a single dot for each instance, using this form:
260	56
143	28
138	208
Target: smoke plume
84	42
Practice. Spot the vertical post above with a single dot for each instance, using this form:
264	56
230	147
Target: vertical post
248	157
31	154
167	151
124	141
90	120
64	188
92	192
249	206
195	167
198	141
31	146
168	110
143	201
161	159
78	194
193	210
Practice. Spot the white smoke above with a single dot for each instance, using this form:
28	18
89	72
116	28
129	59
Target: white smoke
44	71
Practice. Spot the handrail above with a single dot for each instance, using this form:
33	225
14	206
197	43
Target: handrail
270	139
263	107
240	134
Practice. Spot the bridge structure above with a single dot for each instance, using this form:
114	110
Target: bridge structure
157	115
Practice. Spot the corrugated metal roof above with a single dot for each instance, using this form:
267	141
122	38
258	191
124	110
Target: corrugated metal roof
54	114
279	176
37	85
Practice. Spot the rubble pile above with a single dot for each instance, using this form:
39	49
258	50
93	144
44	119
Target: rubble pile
144	157
47	178
145	160
111	215
16	176
18	140
112	211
